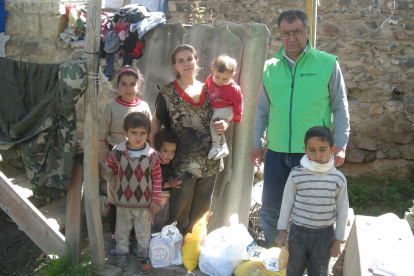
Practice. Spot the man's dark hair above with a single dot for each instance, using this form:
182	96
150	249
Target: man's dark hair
137	119
291	16
165	135
321	132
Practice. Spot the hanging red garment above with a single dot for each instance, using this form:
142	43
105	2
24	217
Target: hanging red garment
137	50
119	26
103	23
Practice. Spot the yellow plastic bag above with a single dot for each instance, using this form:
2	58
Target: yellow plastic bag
256	268
193	242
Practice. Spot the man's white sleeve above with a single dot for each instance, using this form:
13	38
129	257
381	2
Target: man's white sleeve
261	118
339	106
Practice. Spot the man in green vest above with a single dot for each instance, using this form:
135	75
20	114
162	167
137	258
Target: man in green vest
301	88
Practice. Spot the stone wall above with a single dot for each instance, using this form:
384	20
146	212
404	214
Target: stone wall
34	30
377	63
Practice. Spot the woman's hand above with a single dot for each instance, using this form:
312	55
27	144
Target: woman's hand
220	126
162	158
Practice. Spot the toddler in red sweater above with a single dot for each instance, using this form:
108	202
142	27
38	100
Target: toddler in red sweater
226	100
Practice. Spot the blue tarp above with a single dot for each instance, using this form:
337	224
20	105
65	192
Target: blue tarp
3	14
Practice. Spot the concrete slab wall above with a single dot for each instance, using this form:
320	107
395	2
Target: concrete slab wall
247	43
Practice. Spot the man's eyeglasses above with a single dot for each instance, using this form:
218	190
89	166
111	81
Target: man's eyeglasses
296	34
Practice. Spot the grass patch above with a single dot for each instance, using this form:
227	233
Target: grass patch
374	197
65	267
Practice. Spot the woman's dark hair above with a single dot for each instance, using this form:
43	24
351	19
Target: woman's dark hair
165	135
322	132
130	71
184	47
137	119
291	16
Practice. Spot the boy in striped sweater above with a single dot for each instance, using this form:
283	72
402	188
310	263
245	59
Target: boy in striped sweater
135	188
316	197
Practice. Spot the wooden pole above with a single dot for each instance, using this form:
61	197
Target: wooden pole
73	227
90	137
312	12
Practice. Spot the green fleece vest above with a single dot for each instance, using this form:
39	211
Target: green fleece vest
299	99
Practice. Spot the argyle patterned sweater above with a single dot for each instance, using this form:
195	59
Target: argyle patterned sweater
137	180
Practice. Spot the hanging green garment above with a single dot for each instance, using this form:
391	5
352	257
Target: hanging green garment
38	119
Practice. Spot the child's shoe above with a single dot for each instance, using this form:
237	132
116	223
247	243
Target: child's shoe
112	246
224	151
133	245
213	152
122	261
145	265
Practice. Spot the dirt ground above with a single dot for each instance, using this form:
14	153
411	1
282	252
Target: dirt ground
20	256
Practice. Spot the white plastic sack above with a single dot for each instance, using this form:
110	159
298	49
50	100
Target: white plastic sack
162	251
165	247
173	233
225	249
178	242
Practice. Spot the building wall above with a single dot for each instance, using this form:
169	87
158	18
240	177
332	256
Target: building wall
377	63
34	30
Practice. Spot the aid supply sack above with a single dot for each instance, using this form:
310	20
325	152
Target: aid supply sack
165	247
173	233
225	249
161	251
256	268
193	242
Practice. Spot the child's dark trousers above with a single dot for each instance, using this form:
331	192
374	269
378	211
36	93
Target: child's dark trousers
309	248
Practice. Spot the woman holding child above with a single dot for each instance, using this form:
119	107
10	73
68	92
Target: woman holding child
182	106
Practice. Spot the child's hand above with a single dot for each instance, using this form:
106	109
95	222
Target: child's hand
336	248
282	240
154	208
173	183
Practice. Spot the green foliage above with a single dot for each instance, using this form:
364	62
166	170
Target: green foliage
374	200
197	13
65	267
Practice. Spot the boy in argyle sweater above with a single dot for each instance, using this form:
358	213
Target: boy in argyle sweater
135	188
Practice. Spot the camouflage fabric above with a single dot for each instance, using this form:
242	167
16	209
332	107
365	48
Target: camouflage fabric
49	155
29	94
192	125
